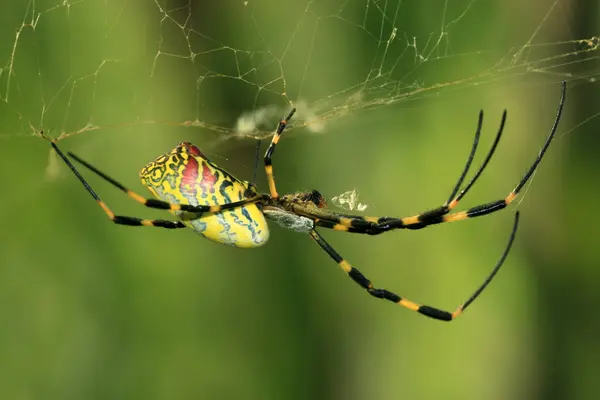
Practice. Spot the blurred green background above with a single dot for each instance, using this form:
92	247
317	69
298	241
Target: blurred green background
93	310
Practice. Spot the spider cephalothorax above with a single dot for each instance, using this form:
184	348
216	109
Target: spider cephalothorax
282	212
222	208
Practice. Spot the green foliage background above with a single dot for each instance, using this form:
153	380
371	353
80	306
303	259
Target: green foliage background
92	310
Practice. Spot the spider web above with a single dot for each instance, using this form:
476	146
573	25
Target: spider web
120	76
234	67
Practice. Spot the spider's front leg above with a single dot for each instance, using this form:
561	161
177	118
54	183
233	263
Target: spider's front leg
268	162
377	225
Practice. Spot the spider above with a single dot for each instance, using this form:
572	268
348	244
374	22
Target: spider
224	209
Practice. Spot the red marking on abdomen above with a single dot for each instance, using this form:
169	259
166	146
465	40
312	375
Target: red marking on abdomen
208	178
193	150
189	178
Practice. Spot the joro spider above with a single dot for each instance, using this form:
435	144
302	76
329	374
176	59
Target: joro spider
224	209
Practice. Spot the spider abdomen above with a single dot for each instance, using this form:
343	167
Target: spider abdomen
186	176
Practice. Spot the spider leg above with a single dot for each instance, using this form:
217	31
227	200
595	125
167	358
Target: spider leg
472	155
428	311
353	223
151	203
442	214
271	150
377	225
453	199
155	203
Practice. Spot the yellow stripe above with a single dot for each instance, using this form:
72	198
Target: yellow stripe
452	204
458	311
410	220
136	197
510	198
409	304
345	221
110	214
214	209
147	222
345	266
371	219
272	189
276	139
459	216
341	228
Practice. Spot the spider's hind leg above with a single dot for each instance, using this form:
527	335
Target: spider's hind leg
150	203
428	311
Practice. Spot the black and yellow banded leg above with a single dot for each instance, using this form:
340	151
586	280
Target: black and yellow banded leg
442	214
268	163
150	203
133	221
349	223
159	204
377	225
119	219
428	311
428	217
454	199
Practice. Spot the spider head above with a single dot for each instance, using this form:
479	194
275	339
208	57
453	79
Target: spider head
312	198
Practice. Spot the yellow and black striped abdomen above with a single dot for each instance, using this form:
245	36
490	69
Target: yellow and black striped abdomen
186	176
